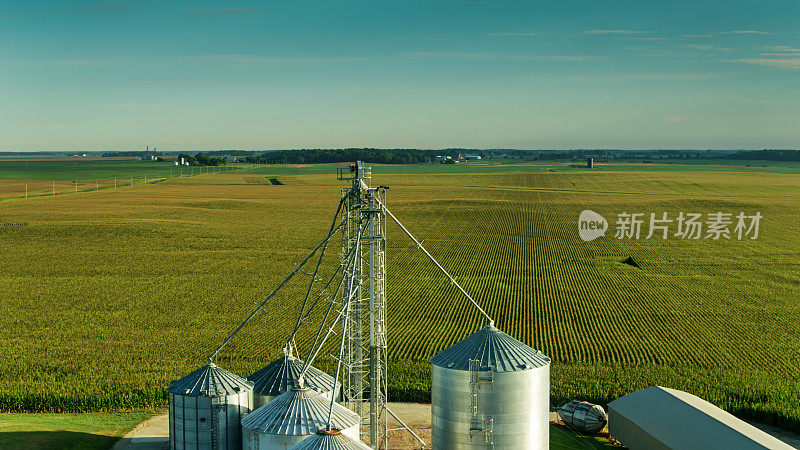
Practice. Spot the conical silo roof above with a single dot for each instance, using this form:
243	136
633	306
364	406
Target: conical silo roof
209	381
492	348
330	440
299	412
281	375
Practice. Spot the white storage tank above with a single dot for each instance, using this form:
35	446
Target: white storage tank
282	374
206	407
330	440
292	417
490	390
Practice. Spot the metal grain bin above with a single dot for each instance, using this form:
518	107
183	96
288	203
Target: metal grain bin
583	417
490	390
281	375
330	440
205	409
292	417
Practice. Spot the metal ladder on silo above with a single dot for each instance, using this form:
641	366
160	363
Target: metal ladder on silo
479	425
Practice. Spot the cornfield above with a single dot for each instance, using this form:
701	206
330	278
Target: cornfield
110	295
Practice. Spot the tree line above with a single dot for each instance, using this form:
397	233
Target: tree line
768	155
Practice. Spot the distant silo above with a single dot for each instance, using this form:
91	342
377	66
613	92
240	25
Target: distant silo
292	417
282	375
330	440
490	390
206	407
590	163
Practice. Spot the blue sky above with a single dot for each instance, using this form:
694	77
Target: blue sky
122	74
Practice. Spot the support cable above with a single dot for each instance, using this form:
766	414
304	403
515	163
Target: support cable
297	269
330	307
452	280
313	277
345	306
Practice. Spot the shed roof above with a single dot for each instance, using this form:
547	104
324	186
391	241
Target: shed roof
678	419
494	349
209	381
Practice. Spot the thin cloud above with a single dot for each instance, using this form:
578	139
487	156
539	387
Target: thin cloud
106	7
781	50
672	119
516	34
276	60
785	63
652	38
707	47
613	32
743	32
210	12
504	56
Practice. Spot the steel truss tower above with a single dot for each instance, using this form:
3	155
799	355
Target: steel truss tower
364	358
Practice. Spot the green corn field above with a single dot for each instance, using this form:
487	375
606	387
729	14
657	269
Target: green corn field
107	296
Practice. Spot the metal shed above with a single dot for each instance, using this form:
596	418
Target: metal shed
490	390
664	418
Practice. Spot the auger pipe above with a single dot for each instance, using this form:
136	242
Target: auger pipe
452	280
339	362
314	275
342	312
297	269
349	256
310	359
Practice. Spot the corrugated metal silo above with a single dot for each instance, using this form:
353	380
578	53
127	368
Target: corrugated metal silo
206	407
330	440
282	374
490	390
292	417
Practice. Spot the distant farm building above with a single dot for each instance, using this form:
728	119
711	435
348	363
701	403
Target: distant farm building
469	157
448	159
663	418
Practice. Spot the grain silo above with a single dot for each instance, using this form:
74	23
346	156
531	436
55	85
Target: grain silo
282	374
206	407
293	416
330	440
490	390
